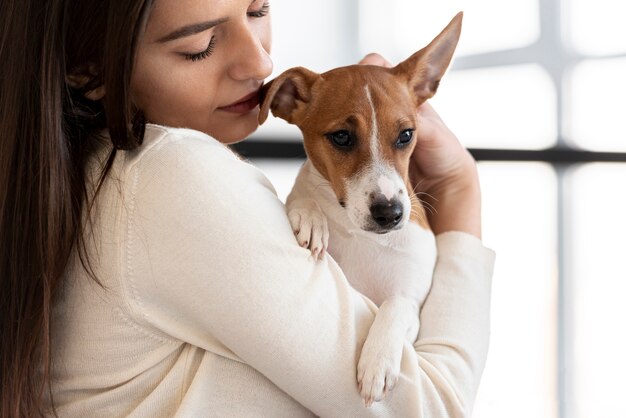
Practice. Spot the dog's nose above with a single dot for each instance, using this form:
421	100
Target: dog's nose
386	213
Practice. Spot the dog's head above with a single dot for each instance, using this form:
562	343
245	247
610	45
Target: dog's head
359	125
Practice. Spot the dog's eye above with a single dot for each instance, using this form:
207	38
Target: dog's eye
341	139
404	138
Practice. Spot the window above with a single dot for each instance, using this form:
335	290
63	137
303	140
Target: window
595	229
537	88
595	111
512	106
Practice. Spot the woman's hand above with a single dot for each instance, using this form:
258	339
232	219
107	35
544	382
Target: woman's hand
443	171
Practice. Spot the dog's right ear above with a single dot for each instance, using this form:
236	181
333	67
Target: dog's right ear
287	95
424	69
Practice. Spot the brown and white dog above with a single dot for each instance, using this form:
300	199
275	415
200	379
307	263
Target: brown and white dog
353	196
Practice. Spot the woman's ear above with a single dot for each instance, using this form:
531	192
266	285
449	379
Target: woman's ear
287	94
426	67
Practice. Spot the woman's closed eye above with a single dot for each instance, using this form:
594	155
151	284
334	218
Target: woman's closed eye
202	54
262	12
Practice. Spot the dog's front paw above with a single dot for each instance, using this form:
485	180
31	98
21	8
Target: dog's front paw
377	371
309	226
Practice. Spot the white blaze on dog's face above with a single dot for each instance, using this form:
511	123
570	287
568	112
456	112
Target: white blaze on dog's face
377	192
359	125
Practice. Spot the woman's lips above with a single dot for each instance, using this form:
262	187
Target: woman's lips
243	105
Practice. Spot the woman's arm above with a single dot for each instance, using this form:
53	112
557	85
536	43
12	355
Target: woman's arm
211	260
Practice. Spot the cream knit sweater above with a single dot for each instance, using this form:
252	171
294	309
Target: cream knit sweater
210	308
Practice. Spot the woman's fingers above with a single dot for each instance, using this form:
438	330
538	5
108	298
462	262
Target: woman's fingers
375	59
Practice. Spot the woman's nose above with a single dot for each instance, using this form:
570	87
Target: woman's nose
250	59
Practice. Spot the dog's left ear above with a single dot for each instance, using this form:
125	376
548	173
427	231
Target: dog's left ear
287	95
426	67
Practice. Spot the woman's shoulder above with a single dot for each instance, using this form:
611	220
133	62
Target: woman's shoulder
191	157
186	187
168	144
182	173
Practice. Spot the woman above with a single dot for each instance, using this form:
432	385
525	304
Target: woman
147	271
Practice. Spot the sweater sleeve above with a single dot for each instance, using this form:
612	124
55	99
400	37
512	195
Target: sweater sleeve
210	259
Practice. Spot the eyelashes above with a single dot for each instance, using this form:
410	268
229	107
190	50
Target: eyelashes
262	12
204	54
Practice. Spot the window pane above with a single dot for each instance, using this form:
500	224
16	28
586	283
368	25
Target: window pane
504	107
397	28
595	110
598	270
519	223
319	35
597	27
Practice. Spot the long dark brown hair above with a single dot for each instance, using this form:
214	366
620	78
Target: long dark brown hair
46	127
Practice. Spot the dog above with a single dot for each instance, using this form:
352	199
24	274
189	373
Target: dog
352	197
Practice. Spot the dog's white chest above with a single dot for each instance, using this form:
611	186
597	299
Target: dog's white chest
398	263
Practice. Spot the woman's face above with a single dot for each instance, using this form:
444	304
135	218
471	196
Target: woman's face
200	64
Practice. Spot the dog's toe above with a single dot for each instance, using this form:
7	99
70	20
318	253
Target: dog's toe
319	232
390	381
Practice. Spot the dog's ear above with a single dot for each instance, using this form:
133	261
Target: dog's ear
287	94
426	67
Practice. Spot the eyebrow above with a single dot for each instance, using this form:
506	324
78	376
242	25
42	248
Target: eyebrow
191	30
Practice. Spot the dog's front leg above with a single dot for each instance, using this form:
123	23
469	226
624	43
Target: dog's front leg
379	365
